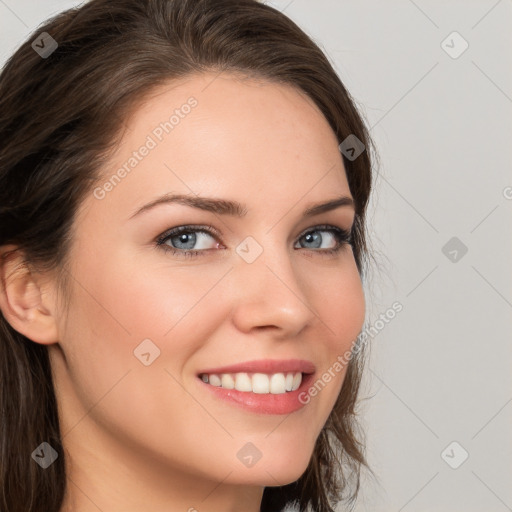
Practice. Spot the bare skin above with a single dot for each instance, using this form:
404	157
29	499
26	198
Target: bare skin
140	437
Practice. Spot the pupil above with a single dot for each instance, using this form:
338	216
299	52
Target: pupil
187	239
311	238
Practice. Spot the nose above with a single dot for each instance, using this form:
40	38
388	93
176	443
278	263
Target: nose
272	293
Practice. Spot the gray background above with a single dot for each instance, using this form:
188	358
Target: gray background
440	371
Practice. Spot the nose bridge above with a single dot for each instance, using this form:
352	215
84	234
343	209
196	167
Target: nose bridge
270	291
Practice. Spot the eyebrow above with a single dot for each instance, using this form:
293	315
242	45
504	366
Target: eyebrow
234	208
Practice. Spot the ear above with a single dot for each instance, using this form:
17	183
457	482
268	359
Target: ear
26	301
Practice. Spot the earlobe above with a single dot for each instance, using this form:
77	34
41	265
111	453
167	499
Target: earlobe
21	299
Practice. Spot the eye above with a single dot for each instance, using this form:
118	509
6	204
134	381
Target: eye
184	238
192	241
340	237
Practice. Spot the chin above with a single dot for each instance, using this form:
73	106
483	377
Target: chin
280	469
285	469
267	476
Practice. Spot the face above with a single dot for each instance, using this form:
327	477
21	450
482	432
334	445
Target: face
151	310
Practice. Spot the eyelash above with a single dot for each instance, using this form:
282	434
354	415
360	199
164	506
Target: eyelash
343	237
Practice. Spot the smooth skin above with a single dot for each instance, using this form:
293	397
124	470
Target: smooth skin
150	438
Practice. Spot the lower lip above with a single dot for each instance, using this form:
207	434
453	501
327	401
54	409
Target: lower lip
268	403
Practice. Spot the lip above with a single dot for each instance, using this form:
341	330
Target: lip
268	403
268	366
282	403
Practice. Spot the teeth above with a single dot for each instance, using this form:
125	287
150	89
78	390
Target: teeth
289	381
297	379
261	383
214	380
227	381
243	382
277	383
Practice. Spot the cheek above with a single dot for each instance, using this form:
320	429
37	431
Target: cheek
119	305
339	301
143	300
125	302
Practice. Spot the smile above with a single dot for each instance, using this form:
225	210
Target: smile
263	393
261	383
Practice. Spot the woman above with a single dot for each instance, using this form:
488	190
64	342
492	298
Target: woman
183	192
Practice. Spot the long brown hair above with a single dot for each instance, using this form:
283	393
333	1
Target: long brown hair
61	114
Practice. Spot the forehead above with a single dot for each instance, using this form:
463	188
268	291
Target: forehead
225	134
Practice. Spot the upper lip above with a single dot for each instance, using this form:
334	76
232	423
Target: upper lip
266	366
